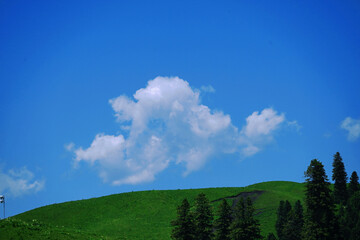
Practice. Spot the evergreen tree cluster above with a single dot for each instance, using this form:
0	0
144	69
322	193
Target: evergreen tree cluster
330	215
198	222
347	197
290	221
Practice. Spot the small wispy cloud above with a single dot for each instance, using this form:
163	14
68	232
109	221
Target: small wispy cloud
208	89
250	150
352	126
294	124
69	146
19	182
327	135
166	122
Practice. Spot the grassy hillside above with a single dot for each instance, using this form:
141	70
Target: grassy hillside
138	215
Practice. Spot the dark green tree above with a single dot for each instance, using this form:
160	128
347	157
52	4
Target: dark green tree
348	215
320	221
287	209
354	183
270	236
355	233
282	217
244	225
295	221
299	217
253	225
237	231
288	232
340	178
203	217
183	224
342	222
352	216
222	224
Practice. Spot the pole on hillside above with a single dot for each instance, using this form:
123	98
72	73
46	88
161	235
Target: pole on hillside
2	200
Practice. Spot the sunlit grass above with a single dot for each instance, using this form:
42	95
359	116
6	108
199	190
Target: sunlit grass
139	215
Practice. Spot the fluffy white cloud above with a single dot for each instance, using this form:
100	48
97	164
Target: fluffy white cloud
105	148
166	122
262	124
19	182
353	128
259	129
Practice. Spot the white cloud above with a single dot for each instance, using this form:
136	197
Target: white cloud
294	124
262	124
69	146
259	129
105	148
250	150
19	182
166	122
352	126
208	89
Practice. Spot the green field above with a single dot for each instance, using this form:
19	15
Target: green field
139	215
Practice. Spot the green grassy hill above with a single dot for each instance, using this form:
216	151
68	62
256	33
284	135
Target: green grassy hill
139	215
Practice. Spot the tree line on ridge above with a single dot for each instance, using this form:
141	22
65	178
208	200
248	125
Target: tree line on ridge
330	212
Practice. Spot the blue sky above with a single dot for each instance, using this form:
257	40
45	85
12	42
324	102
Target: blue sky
102	97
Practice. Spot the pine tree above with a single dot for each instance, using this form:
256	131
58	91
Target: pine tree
183	225
288	232
288	209
245	226
355	233
237	231
253	225
343	233
354	183
293	227
222	224
299	217
352	215
320	221
340	178
203	217
270	236
282	217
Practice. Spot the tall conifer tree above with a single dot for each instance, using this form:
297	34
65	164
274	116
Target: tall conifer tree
244	225
283	213
293	227
270	236
288	209
237	231
222	224
253	225
299	217
320	221
281	219
354	183
203	217
183	224
352	216
340	178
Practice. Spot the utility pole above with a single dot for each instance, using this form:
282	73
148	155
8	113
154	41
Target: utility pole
2	200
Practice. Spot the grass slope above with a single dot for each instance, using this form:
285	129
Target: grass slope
137	215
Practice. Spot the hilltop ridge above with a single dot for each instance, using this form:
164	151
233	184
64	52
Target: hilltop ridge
139	215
